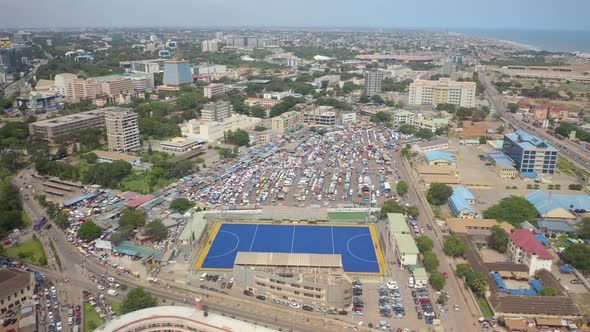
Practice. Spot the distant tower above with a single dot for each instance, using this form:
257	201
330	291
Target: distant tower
177	72
122	129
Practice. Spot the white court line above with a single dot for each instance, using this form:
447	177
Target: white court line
254	237
293	239
355	256
332	230
229	252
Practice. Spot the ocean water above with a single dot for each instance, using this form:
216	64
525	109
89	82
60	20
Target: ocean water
556	40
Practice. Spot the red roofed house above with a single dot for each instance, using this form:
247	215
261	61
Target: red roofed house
545	111
525	248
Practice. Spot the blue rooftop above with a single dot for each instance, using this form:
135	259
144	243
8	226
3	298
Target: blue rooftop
459	198
434	155
561	226
526	140
545	202
500	158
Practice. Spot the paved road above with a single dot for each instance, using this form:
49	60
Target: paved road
567	149
465	319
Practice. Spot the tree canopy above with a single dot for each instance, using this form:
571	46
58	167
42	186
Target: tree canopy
181	204
239	137
477	282
439	193
390	206
499	239
402	188
437	280
89	231
11	208
132	218
156	230
137	299
548	291
453	246
513	209
577	255
430	261
424	243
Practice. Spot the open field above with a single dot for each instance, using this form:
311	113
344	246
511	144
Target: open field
30	251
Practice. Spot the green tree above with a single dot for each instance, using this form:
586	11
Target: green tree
413	211
463	270
499	238
156	230
364	99
89	231
10	208
258	112
577	255
513	209
437	280
548	291
430	261
239	137
381	117
512	107
424	133
376	99
137	299
439	193
453	246
62	152
390	206
181	205
477	282
407	129
424	243
402	188
132	219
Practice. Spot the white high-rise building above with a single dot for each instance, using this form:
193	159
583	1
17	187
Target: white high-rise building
443	91
216	112
373	82
122	130
219	36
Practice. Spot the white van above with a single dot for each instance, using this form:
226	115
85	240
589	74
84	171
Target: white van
411	282
112	292
203	277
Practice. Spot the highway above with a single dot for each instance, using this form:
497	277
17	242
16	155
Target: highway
567	149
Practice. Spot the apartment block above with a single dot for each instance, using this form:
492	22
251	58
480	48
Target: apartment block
213	89
321	115
401	117
287	122
122	129
443	91
525	248
16	287
148	66
214	130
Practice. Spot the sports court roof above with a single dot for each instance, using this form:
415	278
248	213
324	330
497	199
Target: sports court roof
288	259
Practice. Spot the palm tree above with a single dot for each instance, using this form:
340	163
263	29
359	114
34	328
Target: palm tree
477	282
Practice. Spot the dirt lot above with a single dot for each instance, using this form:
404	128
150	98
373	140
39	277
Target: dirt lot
492	256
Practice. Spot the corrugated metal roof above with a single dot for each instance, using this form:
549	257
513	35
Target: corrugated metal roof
398	223
287	259
406	244
545	203
435	155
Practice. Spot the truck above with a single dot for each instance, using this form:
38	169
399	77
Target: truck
112	292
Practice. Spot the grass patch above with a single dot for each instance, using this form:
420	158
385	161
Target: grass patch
31	252
26	219
116	307
91	318
568	168
484	306
141	182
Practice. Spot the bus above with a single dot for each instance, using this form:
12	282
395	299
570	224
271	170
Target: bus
386	187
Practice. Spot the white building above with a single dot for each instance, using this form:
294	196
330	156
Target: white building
122	129
109	157
148	66
213	131
401	117
213	89
280	95
209	46
348	118
525	248
62	81
215	111
320	115
443	91
209	69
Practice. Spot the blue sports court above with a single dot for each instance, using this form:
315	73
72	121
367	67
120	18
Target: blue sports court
358	246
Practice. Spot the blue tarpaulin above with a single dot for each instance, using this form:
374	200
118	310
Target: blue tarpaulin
536	285
566	269
542	238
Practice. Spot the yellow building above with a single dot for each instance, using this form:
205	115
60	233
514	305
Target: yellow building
287	122
15	287
443	91
5	44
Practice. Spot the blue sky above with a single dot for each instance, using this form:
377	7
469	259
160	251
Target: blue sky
444	14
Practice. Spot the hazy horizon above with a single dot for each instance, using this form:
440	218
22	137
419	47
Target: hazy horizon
538	15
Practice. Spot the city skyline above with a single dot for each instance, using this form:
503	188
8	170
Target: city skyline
459	14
